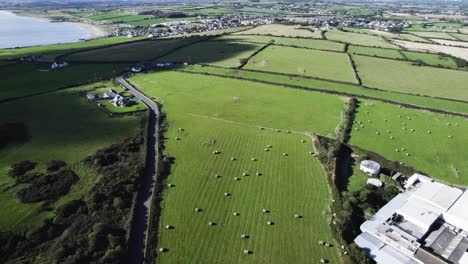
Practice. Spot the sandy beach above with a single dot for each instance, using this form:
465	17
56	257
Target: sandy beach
94	31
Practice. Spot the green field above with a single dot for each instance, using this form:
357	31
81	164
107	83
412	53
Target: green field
333	86
27	78
359	39
297	42
132	52
402	76
439	35
63	126
463	37
204	107
446	27
387	34
49	52
378	52
314	63
434	152
221	53
431	59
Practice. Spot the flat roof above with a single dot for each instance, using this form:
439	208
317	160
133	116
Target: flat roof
380	252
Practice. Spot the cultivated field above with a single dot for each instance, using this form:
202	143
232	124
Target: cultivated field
454	51
359	39
132	52
462	37
225	115
387	34
297	42
221	53
314	63
451	43
63	126
436	146
402	76
379	52
27	78
335	87
284	30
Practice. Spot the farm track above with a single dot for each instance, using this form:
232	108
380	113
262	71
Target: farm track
136	248
411	106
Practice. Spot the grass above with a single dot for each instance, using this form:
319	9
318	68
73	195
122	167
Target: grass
435	154
402	76
338	87
446	27
359	39
388	34
49	52
221	53
431	59
386	53
297	42
132	52
316	63
27	78
63	126
284	31
462	37
204	107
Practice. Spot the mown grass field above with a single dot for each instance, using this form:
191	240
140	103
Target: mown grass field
402	76
387	34
431	59
359	39
28	78
379	52
434	152
297	42
220	53
62	126
338	87
462	37
132	52
314	63
295	184
283	31
49	52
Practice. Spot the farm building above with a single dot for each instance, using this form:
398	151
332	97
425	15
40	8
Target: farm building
376	182
370	167
427	223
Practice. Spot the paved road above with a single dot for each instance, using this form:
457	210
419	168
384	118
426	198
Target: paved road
136	245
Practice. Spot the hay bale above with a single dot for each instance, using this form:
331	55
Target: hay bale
236	179
177	138
235	214
168	227
321	242
322	260
285	154
270	223
170	185
245	173
244	236
198	209
217	176
265	211
246	251
297	216
232	158
265	149
227	194
211	223
253	159
302	140
258	173
163	249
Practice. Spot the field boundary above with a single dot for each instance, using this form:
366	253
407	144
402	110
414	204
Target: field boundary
246	60
355	71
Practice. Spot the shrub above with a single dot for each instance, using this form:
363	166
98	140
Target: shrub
19	169
55	165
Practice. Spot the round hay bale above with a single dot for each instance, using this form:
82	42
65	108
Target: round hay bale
235	214
162	249
270	223
211	223
227	194
198	209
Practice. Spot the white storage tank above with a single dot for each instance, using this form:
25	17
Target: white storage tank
370	167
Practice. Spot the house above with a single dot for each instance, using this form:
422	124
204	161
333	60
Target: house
427	223
90	96
111	94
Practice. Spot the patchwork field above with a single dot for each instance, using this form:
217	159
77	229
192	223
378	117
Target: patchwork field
402	76
435	143
132	52
219	53
385	53
28	78
297	42
334	86
463	37
314	63
359	39
387	34
62	126
226	115
440	35
454	51
283	31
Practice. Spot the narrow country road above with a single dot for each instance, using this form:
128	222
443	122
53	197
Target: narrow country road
136	243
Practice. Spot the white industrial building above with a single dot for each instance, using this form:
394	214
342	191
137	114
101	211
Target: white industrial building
427	223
